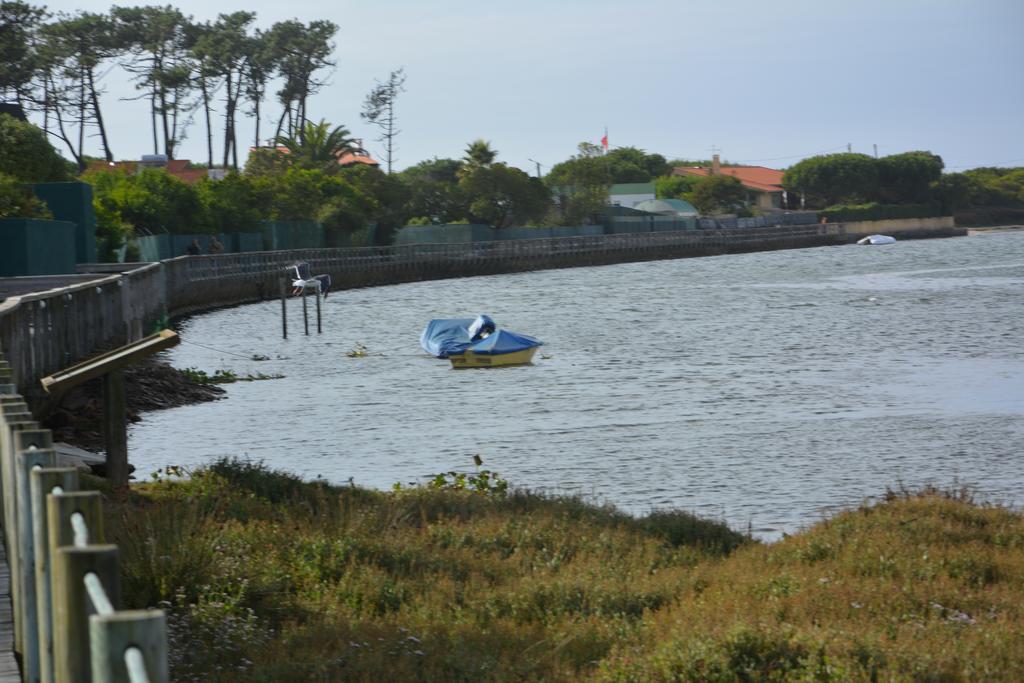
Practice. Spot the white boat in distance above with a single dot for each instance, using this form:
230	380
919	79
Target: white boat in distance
877	239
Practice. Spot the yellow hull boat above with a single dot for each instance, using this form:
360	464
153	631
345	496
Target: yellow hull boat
468	359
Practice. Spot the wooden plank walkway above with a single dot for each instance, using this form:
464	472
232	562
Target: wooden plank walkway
9	671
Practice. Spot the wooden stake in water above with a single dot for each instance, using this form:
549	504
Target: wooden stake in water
284	308
319	326
305	312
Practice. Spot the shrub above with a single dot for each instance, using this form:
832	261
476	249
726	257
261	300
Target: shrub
26	154
990	215
879	212
150	200
112	231
17	200
269	578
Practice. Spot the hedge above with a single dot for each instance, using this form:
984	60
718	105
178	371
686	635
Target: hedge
879	212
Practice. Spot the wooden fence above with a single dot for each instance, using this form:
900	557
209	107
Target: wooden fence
44	332
64	579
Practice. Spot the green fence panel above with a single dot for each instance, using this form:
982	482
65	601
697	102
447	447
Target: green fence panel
73	202
617	225
246	241
452	233
155	247
180	243
577	230
306	235
37	247
522	233
282	235
673	224
459	233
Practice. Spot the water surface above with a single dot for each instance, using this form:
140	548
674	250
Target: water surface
764	389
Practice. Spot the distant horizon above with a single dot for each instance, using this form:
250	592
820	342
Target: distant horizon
763	86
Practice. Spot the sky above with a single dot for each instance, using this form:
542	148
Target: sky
762	83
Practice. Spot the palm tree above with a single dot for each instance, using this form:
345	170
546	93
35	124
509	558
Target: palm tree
319	146
480	153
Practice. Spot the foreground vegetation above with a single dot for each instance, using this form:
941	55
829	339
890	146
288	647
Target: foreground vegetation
268	578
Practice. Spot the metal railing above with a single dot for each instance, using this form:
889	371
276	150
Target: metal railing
65	582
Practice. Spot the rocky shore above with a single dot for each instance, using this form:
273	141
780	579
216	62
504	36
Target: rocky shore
151	384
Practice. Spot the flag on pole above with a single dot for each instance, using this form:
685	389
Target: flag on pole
604	140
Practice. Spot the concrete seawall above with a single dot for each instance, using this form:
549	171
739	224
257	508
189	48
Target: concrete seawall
904	228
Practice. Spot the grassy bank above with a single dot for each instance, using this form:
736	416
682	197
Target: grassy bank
268	578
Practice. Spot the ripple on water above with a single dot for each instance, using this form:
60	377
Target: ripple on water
767	390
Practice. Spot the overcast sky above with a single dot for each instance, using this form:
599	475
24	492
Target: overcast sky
767	83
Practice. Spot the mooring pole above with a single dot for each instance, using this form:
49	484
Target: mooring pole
284	310
115	433
305	312
319	327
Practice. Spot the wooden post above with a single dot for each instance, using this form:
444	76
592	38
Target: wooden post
8	430
12	409
115	431
319	326
59	508
28	607
305	312
111	635
284	309
42	484
72	606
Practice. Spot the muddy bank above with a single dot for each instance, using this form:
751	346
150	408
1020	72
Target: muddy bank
151	384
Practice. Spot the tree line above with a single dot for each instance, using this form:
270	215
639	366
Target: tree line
857	181
54	65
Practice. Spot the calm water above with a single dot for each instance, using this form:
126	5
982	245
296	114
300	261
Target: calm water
763	389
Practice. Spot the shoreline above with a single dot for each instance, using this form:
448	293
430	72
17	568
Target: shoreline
151	384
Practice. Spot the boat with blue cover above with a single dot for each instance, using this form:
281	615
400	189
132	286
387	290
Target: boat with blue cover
477	343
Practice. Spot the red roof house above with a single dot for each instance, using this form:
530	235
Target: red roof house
763	185
344	159
179	168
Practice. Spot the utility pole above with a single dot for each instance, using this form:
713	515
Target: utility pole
876	150
849	148
538	166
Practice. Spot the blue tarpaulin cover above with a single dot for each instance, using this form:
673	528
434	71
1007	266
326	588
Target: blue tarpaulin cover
503	341
451	336
446	335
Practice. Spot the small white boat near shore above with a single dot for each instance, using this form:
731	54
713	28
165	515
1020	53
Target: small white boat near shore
877	239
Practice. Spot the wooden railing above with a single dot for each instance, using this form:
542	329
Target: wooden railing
64	579
46	331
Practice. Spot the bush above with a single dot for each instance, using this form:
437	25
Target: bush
151	200
112	231
17	200
26	154
236	203
269	578
990	215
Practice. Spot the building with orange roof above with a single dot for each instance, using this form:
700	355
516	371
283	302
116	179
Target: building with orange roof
359	156
179	168
763	185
